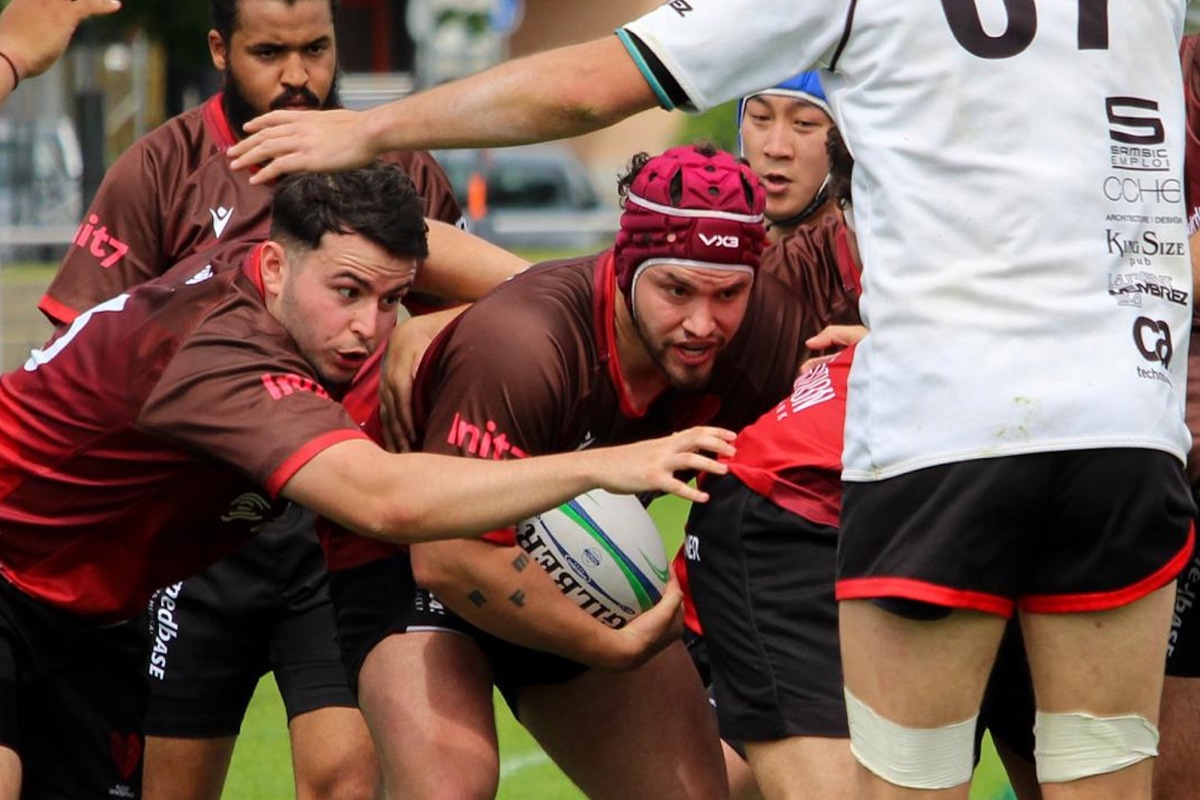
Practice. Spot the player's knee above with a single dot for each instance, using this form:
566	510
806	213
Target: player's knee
1076	745
913	758
343	785
454	779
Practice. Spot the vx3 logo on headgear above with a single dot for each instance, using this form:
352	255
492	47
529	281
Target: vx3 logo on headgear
719	240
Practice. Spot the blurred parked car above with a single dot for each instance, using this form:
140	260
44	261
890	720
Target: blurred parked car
41	164
532	196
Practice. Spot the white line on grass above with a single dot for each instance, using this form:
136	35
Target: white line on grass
514	764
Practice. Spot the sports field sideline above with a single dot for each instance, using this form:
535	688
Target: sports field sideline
261	768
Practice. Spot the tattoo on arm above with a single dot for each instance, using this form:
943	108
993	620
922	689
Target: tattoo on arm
520	562
477	597
517	598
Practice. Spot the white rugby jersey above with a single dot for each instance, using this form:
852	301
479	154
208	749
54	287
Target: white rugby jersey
1019	203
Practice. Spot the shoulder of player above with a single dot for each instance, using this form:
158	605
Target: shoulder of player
548	295
213	304
809	249
542	316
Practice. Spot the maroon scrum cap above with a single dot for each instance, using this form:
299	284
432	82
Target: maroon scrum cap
693	210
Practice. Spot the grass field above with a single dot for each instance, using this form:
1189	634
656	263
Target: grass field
261	765
261	769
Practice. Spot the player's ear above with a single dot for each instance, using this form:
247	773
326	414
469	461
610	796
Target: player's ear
273	266
216	49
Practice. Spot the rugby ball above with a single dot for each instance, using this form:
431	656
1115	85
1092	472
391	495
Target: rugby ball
604	552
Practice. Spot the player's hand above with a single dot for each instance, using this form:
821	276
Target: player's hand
286	142
406	348
652	465
836	337
34	33
647	634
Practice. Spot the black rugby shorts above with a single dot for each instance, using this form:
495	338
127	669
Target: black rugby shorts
72	696
1069	531
266	608
762	582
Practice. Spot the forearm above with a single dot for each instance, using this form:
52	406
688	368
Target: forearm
462	266
501	590
550	95
415	497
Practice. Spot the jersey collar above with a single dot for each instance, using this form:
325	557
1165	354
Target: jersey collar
252	269
217	123
604	327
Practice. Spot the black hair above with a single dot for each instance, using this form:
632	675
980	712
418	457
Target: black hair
378	202
841	168
638	162
224	14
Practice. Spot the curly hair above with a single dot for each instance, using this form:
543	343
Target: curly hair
378	202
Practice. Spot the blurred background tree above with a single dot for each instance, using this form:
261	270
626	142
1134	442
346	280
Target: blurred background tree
180	28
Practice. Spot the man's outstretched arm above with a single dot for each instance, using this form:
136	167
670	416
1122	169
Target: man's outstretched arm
415	497
554	94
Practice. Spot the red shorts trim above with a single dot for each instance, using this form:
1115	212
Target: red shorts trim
871	588
1104	601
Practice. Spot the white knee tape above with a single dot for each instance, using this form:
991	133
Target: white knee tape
1077	745
915	758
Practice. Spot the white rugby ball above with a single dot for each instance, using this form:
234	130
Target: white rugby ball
603	550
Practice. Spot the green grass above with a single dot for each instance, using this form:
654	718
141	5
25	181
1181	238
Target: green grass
261	767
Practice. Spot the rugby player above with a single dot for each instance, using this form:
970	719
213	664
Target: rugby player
266	608
672	326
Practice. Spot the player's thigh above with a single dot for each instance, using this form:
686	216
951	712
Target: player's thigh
427	698
333	757
1177	769
803	767
186	769
643	733
917	673
1102	662
10	774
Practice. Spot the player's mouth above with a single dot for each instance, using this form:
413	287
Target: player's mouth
695	354
776	183
350	360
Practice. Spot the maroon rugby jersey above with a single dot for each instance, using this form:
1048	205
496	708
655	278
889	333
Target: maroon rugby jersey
550	383
118	439
172	194
815	262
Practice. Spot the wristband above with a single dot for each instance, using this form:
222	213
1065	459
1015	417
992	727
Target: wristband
13	67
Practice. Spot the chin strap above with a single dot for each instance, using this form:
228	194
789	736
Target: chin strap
795	219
